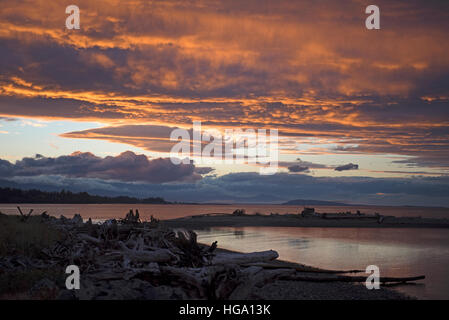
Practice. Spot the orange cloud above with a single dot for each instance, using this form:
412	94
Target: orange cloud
309	69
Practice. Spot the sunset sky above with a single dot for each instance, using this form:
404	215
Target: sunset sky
362	115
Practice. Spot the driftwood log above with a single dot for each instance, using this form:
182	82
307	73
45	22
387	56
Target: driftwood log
24	217
266	265
334	278
244	258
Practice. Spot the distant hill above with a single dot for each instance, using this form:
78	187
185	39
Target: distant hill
9	195
302	202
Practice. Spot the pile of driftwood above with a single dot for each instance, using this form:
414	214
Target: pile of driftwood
134	259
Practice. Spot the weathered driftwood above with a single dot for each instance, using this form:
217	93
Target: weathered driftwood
140	255
225	281
334	278
24	217
266	265
130	258
256	278
86	237
244	258
193	279
132	218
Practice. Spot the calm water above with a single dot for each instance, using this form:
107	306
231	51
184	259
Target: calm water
397	252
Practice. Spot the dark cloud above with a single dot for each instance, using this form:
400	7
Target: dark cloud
150	137
300	165
252	187
298	168
8	119
228	50
127	166
349	166
5	168
203	170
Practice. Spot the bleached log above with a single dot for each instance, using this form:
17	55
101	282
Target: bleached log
226	282
243	258
260	278
268	265
331	278
228	286
193	278
86	237
211	282
160	255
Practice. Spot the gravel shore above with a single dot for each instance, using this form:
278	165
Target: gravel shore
302	290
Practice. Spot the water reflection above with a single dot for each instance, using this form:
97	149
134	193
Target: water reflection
239	234
397	252
299	243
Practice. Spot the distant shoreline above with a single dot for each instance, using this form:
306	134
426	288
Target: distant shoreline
10	195
227	204
294	220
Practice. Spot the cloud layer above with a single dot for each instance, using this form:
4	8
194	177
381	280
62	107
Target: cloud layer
307	68
252	187
127	166
349	166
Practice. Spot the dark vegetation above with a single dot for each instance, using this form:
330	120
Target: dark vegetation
26	241
8	195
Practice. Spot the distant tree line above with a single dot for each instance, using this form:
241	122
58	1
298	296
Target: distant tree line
9	195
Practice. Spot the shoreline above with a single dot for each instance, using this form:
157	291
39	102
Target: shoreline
304	290
204	221
130	259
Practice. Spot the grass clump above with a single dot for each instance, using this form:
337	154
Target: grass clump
25	238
